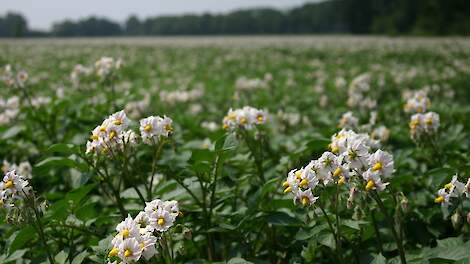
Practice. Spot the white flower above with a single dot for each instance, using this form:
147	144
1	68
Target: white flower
153	127
326	166
246	118
381	133
161	220
348	120
147	244
143	221
466	189
130	250
127	229
14	185
120	120
306	197
443	197
373	181
431	122
381	162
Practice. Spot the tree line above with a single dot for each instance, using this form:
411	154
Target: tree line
421	17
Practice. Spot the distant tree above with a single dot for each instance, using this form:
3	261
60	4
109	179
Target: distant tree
13	25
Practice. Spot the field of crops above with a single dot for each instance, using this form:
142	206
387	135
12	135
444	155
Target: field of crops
235	150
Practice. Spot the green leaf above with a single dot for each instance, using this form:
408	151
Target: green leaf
281	219
80	257
15	256
22	237
379	259
327	239
12	132
238	261
61	257
53	162
78	194
61	148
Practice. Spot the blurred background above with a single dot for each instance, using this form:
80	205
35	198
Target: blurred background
56	18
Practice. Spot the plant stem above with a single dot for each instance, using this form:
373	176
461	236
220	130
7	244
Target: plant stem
330	225
377	233
401	250
40	228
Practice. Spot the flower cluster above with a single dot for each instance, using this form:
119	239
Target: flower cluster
78	72
110	134
113	133
423	125
12	79
23	168
453	189
153	128
246	118
357	92
9	109
181	96
13	188
245	84
106	65
138	237
417	102
350	160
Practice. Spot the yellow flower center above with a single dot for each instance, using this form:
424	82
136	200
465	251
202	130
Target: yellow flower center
147	128
117	122
142	245
414	124
285	184
305	201
9	184
125	233
260	118
161	221
225	126
102	128
337	172
288	189
297	174
428	121
113	252
370	185
377	166
439	199
448	186
303	183
243	120
168	128
341	180
94	137
112	134
127	253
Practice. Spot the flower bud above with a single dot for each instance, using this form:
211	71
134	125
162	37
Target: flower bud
456	220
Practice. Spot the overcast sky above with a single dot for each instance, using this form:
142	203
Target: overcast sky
42	13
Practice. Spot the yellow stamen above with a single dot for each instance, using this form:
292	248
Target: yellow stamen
370	184
168	128
260	118
147	128
9	184
377	166
303	183
297	174
305	201
112	134
285	184
288	189
102	128
125	233
142	245
113	252
448	186
337	172
225	126
341	180
161	221
439	199
127	253
243	120
94	137
117	122
428	121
